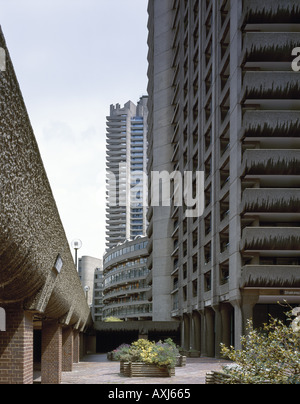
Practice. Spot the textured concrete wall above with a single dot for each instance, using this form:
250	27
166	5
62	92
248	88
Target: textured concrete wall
31	232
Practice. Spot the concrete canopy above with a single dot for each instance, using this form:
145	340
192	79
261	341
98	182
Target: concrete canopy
32	236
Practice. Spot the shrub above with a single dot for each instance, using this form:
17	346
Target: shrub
270	355
160	354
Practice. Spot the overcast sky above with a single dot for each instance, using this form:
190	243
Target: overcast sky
73	58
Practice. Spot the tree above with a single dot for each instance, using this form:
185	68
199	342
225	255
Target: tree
268	356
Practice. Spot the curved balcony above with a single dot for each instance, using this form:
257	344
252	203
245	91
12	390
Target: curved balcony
139	309
271	124
256	200
270	276
271	239
125	292
271	11
271	162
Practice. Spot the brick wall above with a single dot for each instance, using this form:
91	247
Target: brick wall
51	353
16	347
67	349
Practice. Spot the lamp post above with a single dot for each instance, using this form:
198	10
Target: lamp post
76	244
87	289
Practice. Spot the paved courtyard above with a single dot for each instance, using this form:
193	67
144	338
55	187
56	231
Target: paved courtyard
95	369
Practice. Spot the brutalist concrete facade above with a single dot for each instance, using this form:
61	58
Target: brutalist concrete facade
223	99
39	285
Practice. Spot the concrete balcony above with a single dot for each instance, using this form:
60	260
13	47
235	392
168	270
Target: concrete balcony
281	200
271	86
270	276
271	11
269	46
271	162
257	124
271	239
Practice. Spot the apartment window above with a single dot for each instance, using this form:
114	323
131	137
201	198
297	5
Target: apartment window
224	240
207	281
207	222
224	273
207	253
184	271
195	263
224	207
195	288
184	293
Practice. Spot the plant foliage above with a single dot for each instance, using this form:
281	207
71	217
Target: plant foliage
269	356
162	354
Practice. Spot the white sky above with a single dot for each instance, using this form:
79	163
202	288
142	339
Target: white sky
73	58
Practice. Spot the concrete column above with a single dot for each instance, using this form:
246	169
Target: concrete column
67	349
203	334
226	311
210	332
16	347
197	331
218	328
249	301
238	323
51	353
76	347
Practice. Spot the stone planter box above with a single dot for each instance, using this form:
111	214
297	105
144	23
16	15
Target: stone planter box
136	369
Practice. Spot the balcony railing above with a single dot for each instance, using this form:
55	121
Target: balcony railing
271	162
271	239
271	86
270	276
271	11
269	46
271	124
269	200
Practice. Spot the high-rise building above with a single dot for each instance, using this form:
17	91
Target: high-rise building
224	100
126	163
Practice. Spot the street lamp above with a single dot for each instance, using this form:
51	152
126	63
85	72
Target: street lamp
76	244
87	289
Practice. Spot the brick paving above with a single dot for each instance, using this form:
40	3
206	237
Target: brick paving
95	369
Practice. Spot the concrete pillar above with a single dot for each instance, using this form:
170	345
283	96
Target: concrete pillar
16	347
67	349
238	323
218	330
210	332
51	353
76	347
186	343
249	301
203	334
197	331
226	311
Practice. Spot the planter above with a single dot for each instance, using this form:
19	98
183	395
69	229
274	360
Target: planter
111	357
180	361
137	369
